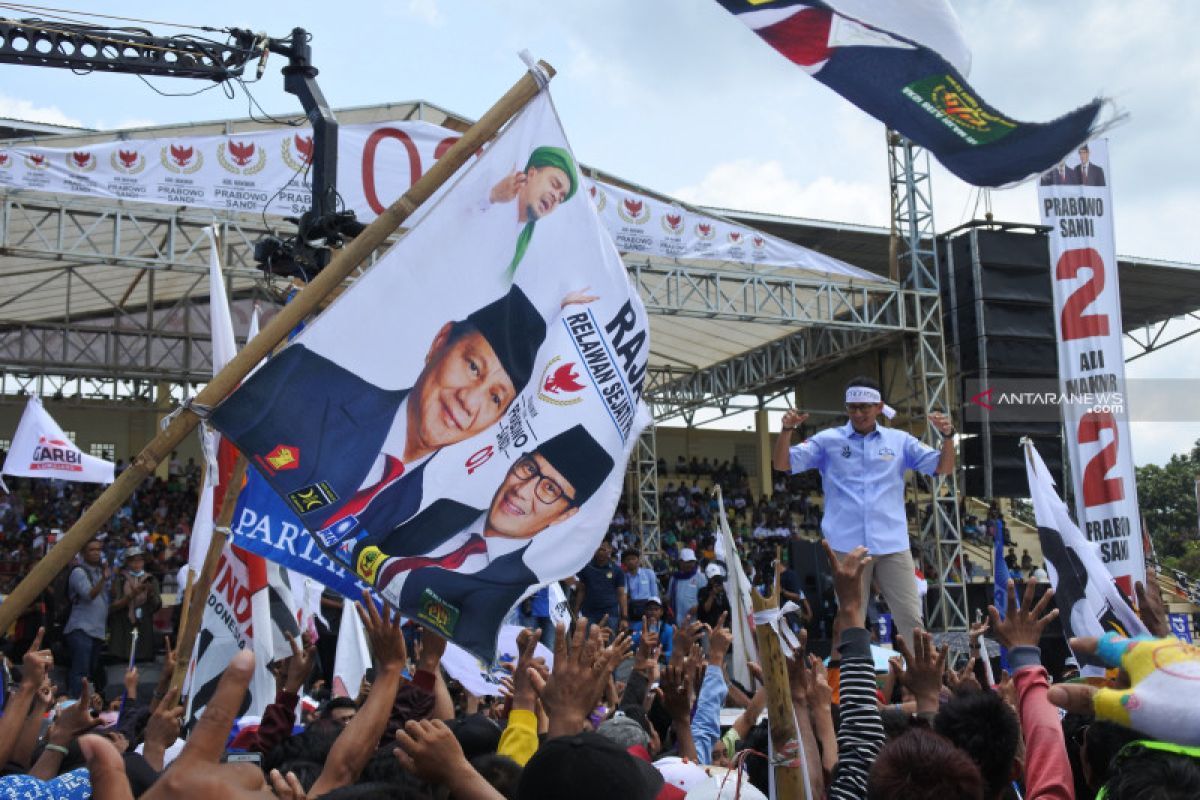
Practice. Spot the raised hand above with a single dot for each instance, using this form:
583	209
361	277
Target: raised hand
36	663
383	632
578	680
1024	625
131	682
428	749
578	297
941	422
300	664
75	720
719	641
964	680
848	583
793	419
506	190
523	694
924	665
162	729
677	687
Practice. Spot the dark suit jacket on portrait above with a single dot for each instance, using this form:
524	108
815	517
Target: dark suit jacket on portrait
468	608
333	421
1095	176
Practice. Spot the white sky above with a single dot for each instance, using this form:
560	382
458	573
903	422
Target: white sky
679	96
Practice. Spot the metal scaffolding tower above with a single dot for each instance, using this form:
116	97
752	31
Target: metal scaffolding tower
927	375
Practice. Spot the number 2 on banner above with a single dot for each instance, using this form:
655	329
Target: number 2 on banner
1099	490
1076	324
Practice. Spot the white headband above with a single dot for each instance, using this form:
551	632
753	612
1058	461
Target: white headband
865	394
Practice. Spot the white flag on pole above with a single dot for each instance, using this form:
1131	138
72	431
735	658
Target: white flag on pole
737	587
40	449
224	348
353	655
1088	600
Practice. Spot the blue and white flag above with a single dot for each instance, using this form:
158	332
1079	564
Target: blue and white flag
263	524
905	63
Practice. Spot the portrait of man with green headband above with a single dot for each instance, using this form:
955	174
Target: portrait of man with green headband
549	179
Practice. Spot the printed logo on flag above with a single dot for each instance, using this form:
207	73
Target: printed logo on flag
635	212
758	242
127	162
948	100
735	237
297	151
180	158
369	561
80	161
36	161
5	161
56	454
436	612
284	456
672	223
560	382
706	230
598	197
241	158
339	530
310	498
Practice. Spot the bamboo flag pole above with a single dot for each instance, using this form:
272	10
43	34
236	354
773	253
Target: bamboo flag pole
345	261
200	589
781	720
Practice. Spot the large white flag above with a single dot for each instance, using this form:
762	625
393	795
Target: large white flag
353	655
40	449
737	587
454	427
1089	602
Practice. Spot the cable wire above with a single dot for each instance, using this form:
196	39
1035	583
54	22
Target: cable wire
40	9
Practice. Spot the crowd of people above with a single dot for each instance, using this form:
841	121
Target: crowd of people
632	711
640	699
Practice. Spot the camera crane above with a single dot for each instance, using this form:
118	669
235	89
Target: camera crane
88	48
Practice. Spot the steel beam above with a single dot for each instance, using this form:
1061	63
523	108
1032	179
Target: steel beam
928	378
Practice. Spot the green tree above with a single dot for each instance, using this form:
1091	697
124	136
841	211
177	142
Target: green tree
1167	499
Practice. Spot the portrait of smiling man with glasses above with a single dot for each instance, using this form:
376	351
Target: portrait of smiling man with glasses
468	563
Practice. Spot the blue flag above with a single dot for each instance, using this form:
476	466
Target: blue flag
905	63
1000	577
264	525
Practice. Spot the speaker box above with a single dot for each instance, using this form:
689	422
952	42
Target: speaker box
998	315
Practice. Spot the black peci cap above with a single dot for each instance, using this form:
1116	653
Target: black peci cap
515	330
580	459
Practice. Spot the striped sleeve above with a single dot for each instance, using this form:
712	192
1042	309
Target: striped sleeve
860	731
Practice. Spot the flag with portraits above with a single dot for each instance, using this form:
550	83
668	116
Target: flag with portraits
453	429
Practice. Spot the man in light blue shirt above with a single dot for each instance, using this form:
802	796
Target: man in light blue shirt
640	583
862	468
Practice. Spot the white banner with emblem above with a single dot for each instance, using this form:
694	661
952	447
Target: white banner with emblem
268	171
1075	201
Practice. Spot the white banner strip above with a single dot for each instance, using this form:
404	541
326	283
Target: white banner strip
1076	202
377	163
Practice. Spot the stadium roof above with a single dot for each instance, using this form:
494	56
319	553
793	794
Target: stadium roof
38	287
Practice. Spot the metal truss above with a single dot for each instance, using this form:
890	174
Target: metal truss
673	392
925	359
674	290
81	232
645	476
1150	338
